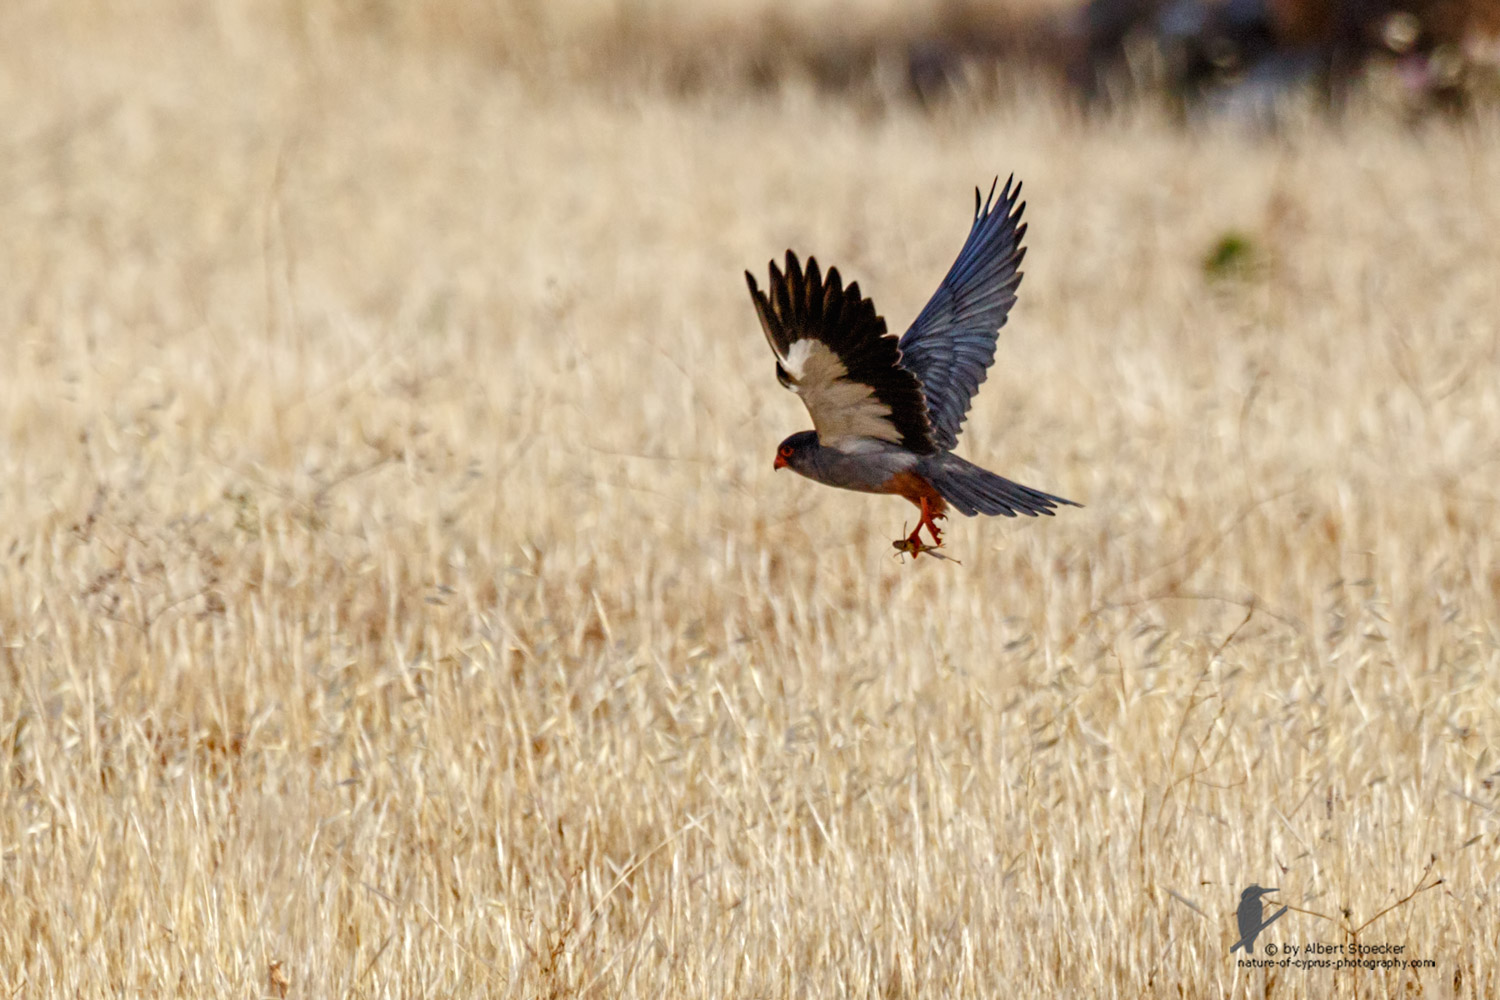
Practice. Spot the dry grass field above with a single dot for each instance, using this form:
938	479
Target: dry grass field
396	598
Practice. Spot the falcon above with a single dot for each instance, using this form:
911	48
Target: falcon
886	413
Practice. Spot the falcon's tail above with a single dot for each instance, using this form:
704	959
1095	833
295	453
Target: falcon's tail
977	491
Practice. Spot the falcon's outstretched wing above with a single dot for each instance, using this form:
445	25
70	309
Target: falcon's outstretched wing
832	349
952	342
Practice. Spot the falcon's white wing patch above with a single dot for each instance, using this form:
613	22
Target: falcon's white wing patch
840	407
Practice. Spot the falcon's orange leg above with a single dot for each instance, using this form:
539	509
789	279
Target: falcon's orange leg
919	491
914	540
929	518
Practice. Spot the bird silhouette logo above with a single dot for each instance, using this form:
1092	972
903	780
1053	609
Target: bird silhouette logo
1249	916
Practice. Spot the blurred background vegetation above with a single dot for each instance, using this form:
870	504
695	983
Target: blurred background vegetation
1248	59
1241	57
396	598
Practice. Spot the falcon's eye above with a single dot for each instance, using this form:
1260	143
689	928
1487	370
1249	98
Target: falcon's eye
785	451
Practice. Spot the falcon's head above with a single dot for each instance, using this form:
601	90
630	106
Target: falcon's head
796	450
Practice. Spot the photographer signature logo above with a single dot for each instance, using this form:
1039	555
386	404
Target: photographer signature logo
1249	915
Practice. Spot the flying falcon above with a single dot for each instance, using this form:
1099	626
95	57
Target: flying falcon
887	414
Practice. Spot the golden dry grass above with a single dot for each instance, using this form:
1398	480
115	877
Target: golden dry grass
396	598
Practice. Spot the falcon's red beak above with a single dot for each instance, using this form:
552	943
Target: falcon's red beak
780	462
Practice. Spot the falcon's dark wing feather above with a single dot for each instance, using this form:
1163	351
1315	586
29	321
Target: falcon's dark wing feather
952	342
832	349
